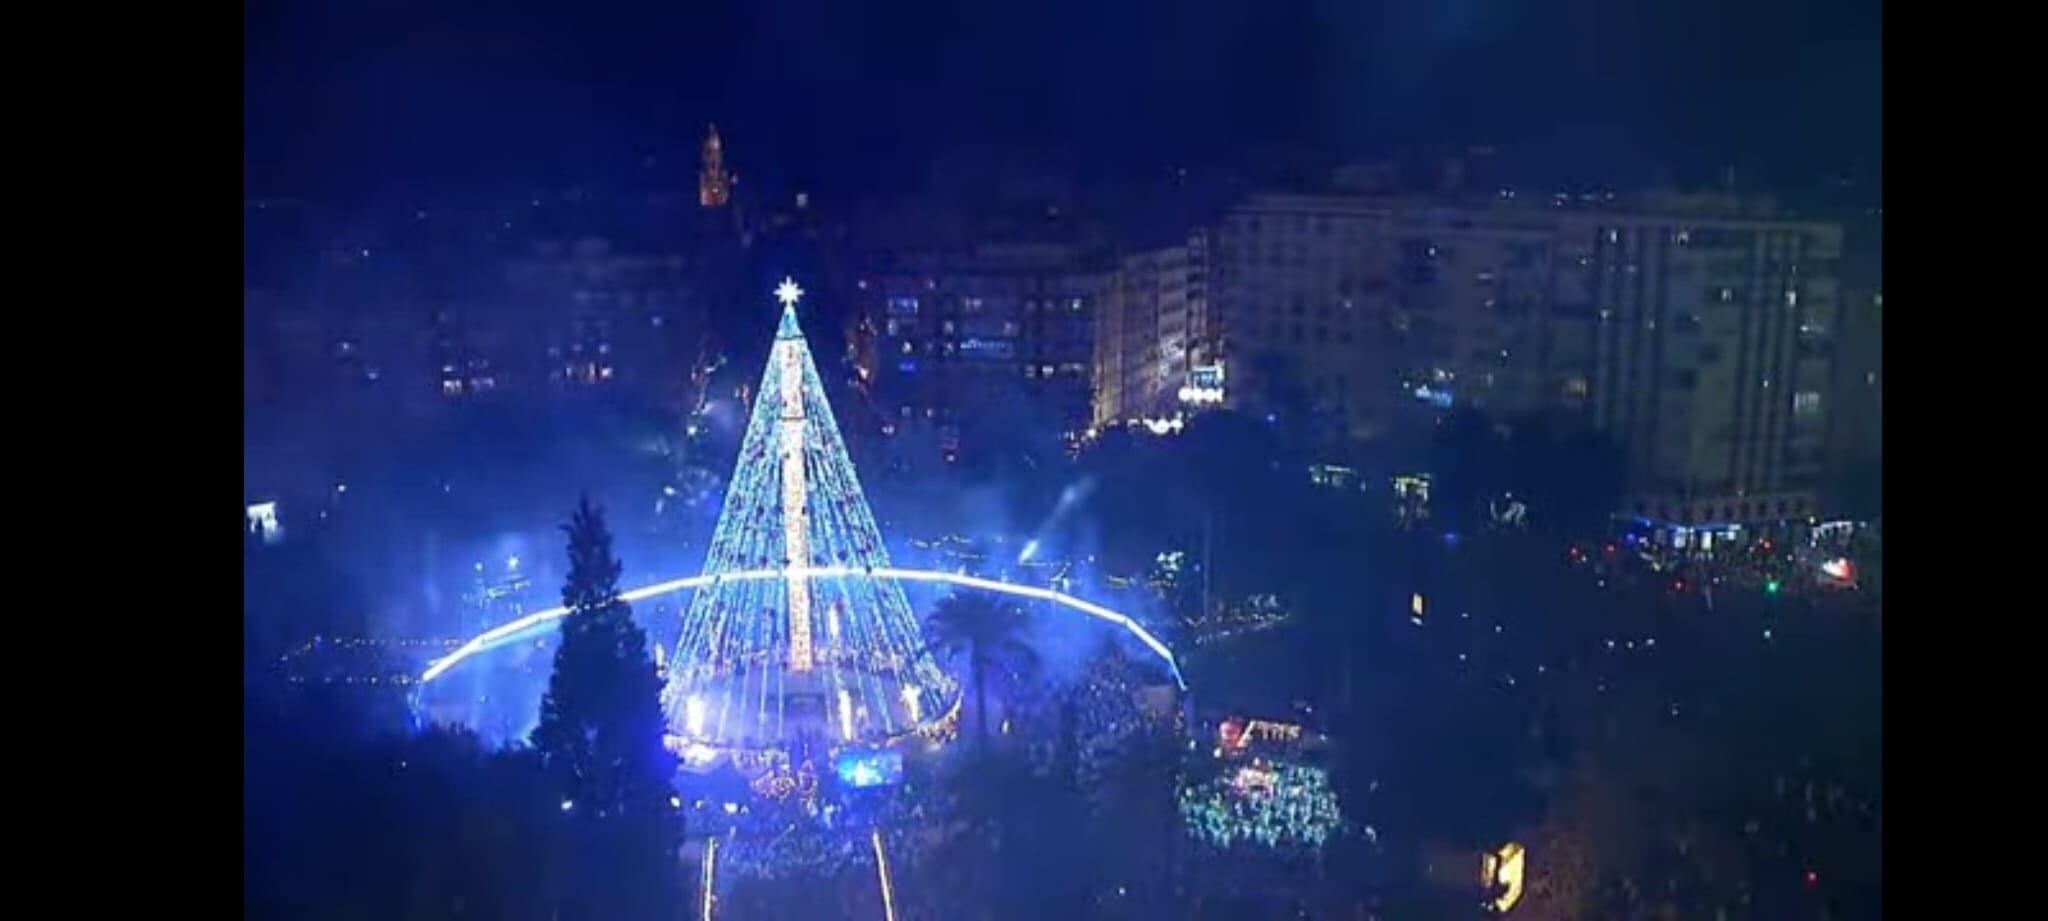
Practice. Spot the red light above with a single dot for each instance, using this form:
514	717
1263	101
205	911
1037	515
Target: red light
1812	879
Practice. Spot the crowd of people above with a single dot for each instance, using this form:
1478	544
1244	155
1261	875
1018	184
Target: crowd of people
1797	559
812	848
1280	807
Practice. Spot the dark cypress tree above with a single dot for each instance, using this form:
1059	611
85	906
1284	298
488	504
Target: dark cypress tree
600	740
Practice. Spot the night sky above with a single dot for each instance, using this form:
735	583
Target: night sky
376	100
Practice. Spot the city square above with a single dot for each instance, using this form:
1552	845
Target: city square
1241	460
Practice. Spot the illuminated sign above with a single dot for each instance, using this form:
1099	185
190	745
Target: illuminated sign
1412	486
1163	426
1841	528
1205	385
1332	475
780	782
1503	870
988	348
261	520
861	770
1264	731
1235	735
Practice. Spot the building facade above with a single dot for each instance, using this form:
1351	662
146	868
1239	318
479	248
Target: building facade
1705	344
584	315
1697	333
1148	324
953	338
1371	313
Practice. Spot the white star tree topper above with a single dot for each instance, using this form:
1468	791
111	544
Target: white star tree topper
788	292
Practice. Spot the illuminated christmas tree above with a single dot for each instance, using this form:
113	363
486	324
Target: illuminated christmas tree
795	638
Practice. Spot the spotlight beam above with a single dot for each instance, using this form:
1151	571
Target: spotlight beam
503	632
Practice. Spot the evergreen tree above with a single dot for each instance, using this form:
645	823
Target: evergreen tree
600	740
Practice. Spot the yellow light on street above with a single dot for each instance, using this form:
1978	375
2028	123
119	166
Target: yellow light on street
1504	869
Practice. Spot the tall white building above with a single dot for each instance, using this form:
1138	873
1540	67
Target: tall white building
1147	330
1705	345
1693	331
1366	311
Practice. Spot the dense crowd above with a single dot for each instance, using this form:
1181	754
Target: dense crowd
1288	808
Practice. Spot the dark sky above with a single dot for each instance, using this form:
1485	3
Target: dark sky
403	99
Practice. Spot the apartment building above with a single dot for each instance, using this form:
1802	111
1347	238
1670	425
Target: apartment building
1695	331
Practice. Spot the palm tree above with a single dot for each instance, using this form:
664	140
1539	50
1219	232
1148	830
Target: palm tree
990	634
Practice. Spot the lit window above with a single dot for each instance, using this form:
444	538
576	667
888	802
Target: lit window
1806	402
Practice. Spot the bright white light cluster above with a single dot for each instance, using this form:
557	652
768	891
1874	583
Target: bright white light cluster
801	649
1264	804
518	629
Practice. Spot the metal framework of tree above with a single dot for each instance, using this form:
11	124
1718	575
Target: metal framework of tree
795	637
